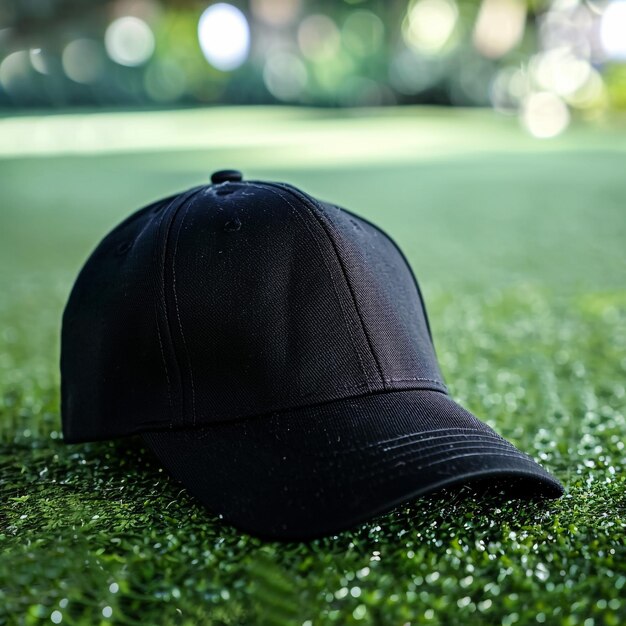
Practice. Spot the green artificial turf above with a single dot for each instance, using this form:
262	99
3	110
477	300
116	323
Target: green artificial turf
520	246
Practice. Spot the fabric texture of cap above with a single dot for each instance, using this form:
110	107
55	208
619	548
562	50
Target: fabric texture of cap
275	353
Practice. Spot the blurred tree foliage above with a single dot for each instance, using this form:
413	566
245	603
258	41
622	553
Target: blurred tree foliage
55	53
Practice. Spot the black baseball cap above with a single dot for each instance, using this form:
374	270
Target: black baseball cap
275	353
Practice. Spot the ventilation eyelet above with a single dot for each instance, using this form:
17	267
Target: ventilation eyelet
233	225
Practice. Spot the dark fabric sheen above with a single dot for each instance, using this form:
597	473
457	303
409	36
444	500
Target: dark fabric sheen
275	353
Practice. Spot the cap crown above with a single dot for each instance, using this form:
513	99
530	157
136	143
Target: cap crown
236	300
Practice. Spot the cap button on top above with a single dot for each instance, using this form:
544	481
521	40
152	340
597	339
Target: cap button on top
226	176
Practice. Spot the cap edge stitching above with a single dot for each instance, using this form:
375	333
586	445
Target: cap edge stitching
319	216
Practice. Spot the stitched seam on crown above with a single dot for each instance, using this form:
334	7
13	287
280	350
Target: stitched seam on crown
167	376
318	213
332	280
320	401
186	197
161	296
326	224
180	324
403	256
207	429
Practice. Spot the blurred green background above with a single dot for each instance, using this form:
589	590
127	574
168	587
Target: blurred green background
475	200
543	60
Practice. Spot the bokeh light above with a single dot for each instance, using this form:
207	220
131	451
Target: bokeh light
224	36
129	41
14	73
499	27
613	30
318	37
560	71
591	97
497	53
545	115
39	61
330	78
570	25
276	12
285	76
83	60
508	89
429	24
165	80
363	33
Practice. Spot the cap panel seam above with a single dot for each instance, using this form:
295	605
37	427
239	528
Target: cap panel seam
167	376
330	274
161	300
171	211
404	258
321	218
435	434
168	236
272	412
180	324
361	392
408	266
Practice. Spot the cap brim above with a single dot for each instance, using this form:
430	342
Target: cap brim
314	471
